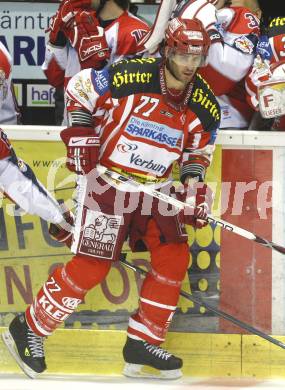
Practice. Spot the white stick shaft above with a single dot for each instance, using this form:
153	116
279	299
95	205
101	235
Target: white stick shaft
157	32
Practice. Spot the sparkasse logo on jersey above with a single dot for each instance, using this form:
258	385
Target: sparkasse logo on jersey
40	95
159	133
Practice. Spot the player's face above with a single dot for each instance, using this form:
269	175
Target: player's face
184	66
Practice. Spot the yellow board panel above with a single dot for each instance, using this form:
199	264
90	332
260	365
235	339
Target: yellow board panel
99	352
262	359
205	354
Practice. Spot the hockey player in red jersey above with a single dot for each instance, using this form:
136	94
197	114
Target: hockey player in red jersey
234	40
234	31
155	112
268	67
109	33
9	111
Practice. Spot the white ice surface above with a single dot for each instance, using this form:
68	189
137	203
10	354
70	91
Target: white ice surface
20	382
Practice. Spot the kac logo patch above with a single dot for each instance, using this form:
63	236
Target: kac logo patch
100	234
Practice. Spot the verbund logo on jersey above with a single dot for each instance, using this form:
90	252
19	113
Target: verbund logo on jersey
143	157
161	134
148	164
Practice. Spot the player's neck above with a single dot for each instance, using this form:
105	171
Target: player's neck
110	11
172	82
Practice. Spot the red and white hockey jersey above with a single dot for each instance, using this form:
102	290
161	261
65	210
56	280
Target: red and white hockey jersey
229	61
122	35
9	113
141	133
268	65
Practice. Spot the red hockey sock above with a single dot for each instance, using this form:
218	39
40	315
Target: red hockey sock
65	288
160	290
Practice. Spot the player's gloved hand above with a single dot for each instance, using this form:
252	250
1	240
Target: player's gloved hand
199	197
63	231
271	97
88	38
82	149
259	74
64	19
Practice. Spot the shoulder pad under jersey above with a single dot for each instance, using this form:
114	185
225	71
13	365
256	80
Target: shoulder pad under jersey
205	105
137	75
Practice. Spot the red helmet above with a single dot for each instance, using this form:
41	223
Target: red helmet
187	36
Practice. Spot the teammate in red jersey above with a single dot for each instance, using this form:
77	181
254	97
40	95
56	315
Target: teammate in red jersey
9	111
234	39
155	112
269	66
107	29
234	29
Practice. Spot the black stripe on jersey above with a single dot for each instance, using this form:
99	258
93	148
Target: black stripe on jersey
138	75
205	105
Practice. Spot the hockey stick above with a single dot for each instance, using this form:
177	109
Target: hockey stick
62	189
181	205
156	34
218	312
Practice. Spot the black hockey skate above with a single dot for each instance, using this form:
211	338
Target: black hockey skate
138	353
25	346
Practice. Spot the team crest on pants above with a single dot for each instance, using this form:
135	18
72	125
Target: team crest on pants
100	234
